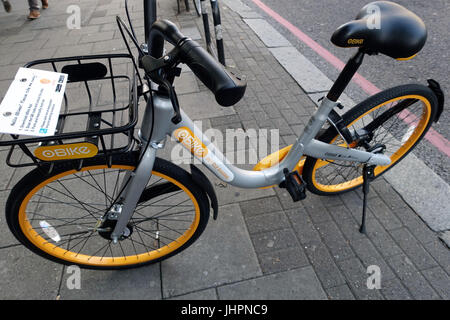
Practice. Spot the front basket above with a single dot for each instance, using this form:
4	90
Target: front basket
99	107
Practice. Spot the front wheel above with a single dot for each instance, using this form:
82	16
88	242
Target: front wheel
58	215
394	121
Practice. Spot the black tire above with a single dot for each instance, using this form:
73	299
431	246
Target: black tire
163	168
349	176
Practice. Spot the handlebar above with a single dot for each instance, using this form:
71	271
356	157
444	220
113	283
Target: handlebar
227	88
162	30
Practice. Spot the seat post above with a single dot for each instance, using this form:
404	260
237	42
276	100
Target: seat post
346	76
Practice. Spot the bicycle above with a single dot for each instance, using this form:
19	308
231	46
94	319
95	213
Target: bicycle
125	207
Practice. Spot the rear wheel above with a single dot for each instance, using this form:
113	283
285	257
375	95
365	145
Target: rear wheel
394	121
59	215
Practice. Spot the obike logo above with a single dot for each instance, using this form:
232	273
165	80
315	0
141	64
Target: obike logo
197	148
66	151
355	41
190	141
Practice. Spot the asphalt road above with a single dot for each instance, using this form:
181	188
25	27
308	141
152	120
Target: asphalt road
319	18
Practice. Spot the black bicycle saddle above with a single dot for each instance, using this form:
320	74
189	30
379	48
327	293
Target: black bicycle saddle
383	27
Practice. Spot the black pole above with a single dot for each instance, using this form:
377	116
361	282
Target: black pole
206	25
218	30
149	16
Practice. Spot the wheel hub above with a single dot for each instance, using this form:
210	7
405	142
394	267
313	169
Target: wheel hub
107	229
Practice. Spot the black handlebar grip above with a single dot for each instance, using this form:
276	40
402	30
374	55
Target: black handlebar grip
227	88
162	30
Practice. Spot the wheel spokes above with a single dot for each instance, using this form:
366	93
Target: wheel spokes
394	126
70	209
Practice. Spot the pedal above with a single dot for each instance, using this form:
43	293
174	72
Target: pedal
294	184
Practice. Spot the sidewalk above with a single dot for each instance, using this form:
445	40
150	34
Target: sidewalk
263	246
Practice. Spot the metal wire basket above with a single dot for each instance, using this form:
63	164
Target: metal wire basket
99	107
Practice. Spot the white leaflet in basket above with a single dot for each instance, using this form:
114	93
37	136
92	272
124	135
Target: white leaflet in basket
32	104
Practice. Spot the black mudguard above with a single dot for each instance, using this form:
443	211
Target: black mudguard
434	85
205	184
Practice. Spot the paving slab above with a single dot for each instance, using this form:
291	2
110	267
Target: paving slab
24	275
357	276
141	283
439	280
186	84
324	265
445	237
223	254
243	10
7	172
6	237
270	241
394	290
433	205
301	69
191	32
340	293
269	36
207	294
421	258
282	260
202	106
298	284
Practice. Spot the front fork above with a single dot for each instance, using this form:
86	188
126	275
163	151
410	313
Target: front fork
134	184
154	129
153	134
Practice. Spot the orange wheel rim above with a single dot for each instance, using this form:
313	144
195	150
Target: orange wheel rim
78	258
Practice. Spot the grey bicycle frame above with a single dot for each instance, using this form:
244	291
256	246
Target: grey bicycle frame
195	141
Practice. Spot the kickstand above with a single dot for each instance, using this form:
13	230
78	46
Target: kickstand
368	176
